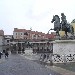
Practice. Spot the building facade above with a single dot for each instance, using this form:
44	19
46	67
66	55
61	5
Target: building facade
1	32
32	35
7	39
1	40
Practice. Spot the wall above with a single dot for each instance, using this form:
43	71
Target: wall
1	42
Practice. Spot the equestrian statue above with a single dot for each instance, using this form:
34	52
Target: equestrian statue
62	26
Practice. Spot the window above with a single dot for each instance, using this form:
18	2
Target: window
25	33
21	33
34	35
16	33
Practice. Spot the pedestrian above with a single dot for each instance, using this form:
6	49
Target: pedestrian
6	54
0	54
3	51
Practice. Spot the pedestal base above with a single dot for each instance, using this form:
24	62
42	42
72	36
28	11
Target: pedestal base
63	51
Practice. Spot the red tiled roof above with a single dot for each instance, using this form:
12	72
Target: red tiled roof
24	30
19	30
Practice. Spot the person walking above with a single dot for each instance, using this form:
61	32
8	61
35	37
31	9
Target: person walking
3	51
6	54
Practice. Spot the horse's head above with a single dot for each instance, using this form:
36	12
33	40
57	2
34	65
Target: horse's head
53	19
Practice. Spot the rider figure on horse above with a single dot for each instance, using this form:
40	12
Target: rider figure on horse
63	26
63	18
63	22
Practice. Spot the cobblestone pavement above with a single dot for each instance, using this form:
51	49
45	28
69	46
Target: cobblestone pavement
35	58
18	65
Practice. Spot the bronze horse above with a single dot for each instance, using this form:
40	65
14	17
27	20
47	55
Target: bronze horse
58	26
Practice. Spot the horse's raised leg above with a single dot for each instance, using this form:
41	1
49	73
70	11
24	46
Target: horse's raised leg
57	34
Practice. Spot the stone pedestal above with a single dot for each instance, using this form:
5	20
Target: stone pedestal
63	51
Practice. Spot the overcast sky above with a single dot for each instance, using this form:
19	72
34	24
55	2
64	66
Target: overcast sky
35	14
